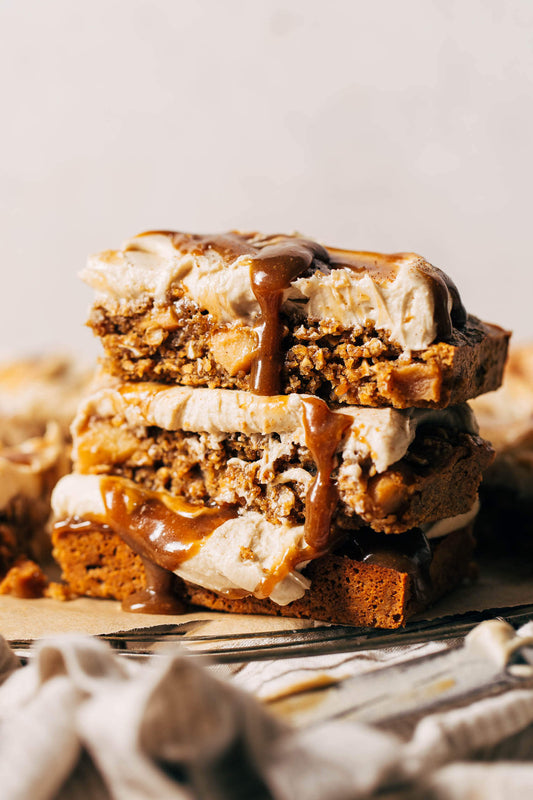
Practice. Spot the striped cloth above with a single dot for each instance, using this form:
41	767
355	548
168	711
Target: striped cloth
81	723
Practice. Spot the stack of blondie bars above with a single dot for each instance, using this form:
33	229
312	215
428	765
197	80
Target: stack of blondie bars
279	427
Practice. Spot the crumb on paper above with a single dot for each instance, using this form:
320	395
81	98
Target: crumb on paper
59	591
27	580
24	579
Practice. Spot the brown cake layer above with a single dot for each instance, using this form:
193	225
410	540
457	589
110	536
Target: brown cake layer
190	349
437	478
96	562
28	473
356	593
22	529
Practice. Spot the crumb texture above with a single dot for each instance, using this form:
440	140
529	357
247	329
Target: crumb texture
437	478
340	366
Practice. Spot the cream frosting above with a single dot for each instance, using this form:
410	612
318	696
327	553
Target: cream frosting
445	526
404	307
219	565
148	266
382	435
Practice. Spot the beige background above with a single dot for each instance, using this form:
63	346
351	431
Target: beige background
387	125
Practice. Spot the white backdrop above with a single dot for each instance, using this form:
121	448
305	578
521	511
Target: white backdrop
375	125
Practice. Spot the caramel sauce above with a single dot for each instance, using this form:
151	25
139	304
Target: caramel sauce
230	246
159	596
272	271
443	287
161	593
278	260
141	394
75	525
381	266
286	565
324	430
163	530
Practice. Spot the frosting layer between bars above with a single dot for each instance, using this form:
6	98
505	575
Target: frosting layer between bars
381	435
389	469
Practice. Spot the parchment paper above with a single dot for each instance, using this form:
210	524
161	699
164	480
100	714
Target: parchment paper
501	584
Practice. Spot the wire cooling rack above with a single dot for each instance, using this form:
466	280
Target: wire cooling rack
142	643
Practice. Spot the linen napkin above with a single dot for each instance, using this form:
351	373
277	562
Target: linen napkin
81	722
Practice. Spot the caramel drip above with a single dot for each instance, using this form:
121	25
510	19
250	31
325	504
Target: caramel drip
230	246
458	313
271	273
443	288
160	595
75	525
324	430
164	531
287	564
382	267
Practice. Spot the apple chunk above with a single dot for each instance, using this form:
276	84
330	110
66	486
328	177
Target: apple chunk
234	349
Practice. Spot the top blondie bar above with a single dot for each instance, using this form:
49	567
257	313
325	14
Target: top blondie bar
280	314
